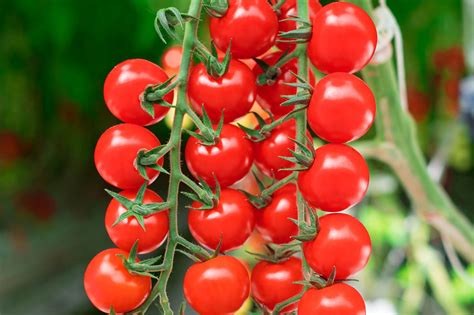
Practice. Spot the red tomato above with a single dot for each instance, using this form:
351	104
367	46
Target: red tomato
337	180
229	160
273	221
269	96
278	143
125	233
109	284
287	10
116	152
217	286
232	219
337	299
273	283
232	94
251	26
171	59
344	38
38	203
418	103
124	85
11	147
342	242
342	108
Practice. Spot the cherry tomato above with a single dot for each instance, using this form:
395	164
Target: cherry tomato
11	147
249	26
109	284
232	220
229	160
273	221
232	94
273	283
116	152
337	180
217	286
171	59
126	232
269	95
287	10
342	108
38	203
342	242
337	299
344	38
124	85
418	103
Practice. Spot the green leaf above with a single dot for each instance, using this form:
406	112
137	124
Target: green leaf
141	193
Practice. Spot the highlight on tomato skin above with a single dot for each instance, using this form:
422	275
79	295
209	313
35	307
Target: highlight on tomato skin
171	59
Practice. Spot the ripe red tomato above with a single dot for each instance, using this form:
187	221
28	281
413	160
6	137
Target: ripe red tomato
344	38
251	26
287	10
232	219
269	96
337	180
342	242
116	152
342	108
217	286
229	160
232	94
273	221
109	284
124	85
273	283
337	299
125	233
278	143
171	59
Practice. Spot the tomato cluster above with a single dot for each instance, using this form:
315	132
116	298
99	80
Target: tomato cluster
331	178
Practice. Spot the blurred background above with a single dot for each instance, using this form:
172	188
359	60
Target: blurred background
54	56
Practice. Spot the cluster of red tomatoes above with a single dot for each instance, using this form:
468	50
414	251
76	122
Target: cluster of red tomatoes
341	109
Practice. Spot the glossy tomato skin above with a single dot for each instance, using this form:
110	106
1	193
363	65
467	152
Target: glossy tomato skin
251	26
232	219
287	10
232	94
344	38
269	96
126	232
342	242
229	160
342	108
116	152
273	220
109	284
171	59
337	179
337	299
217	286
273	283
124	85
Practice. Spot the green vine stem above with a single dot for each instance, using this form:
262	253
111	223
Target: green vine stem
397	146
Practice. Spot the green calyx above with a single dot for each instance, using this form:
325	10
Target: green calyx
136	208
142	268
205	195
301	98
307	230
302	34
216	8
303	157
207	134
169	19
154	94
276	253
214	67
149	159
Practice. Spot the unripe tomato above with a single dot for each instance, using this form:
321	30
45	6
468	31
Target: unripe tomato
288	10
342	242
116	151
273	221
344	38
127	231
232	220
229	160
270	96
171	59
337	299
217	286
124	85
231	95
342	108
337	180
109	284
249	26
273	283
